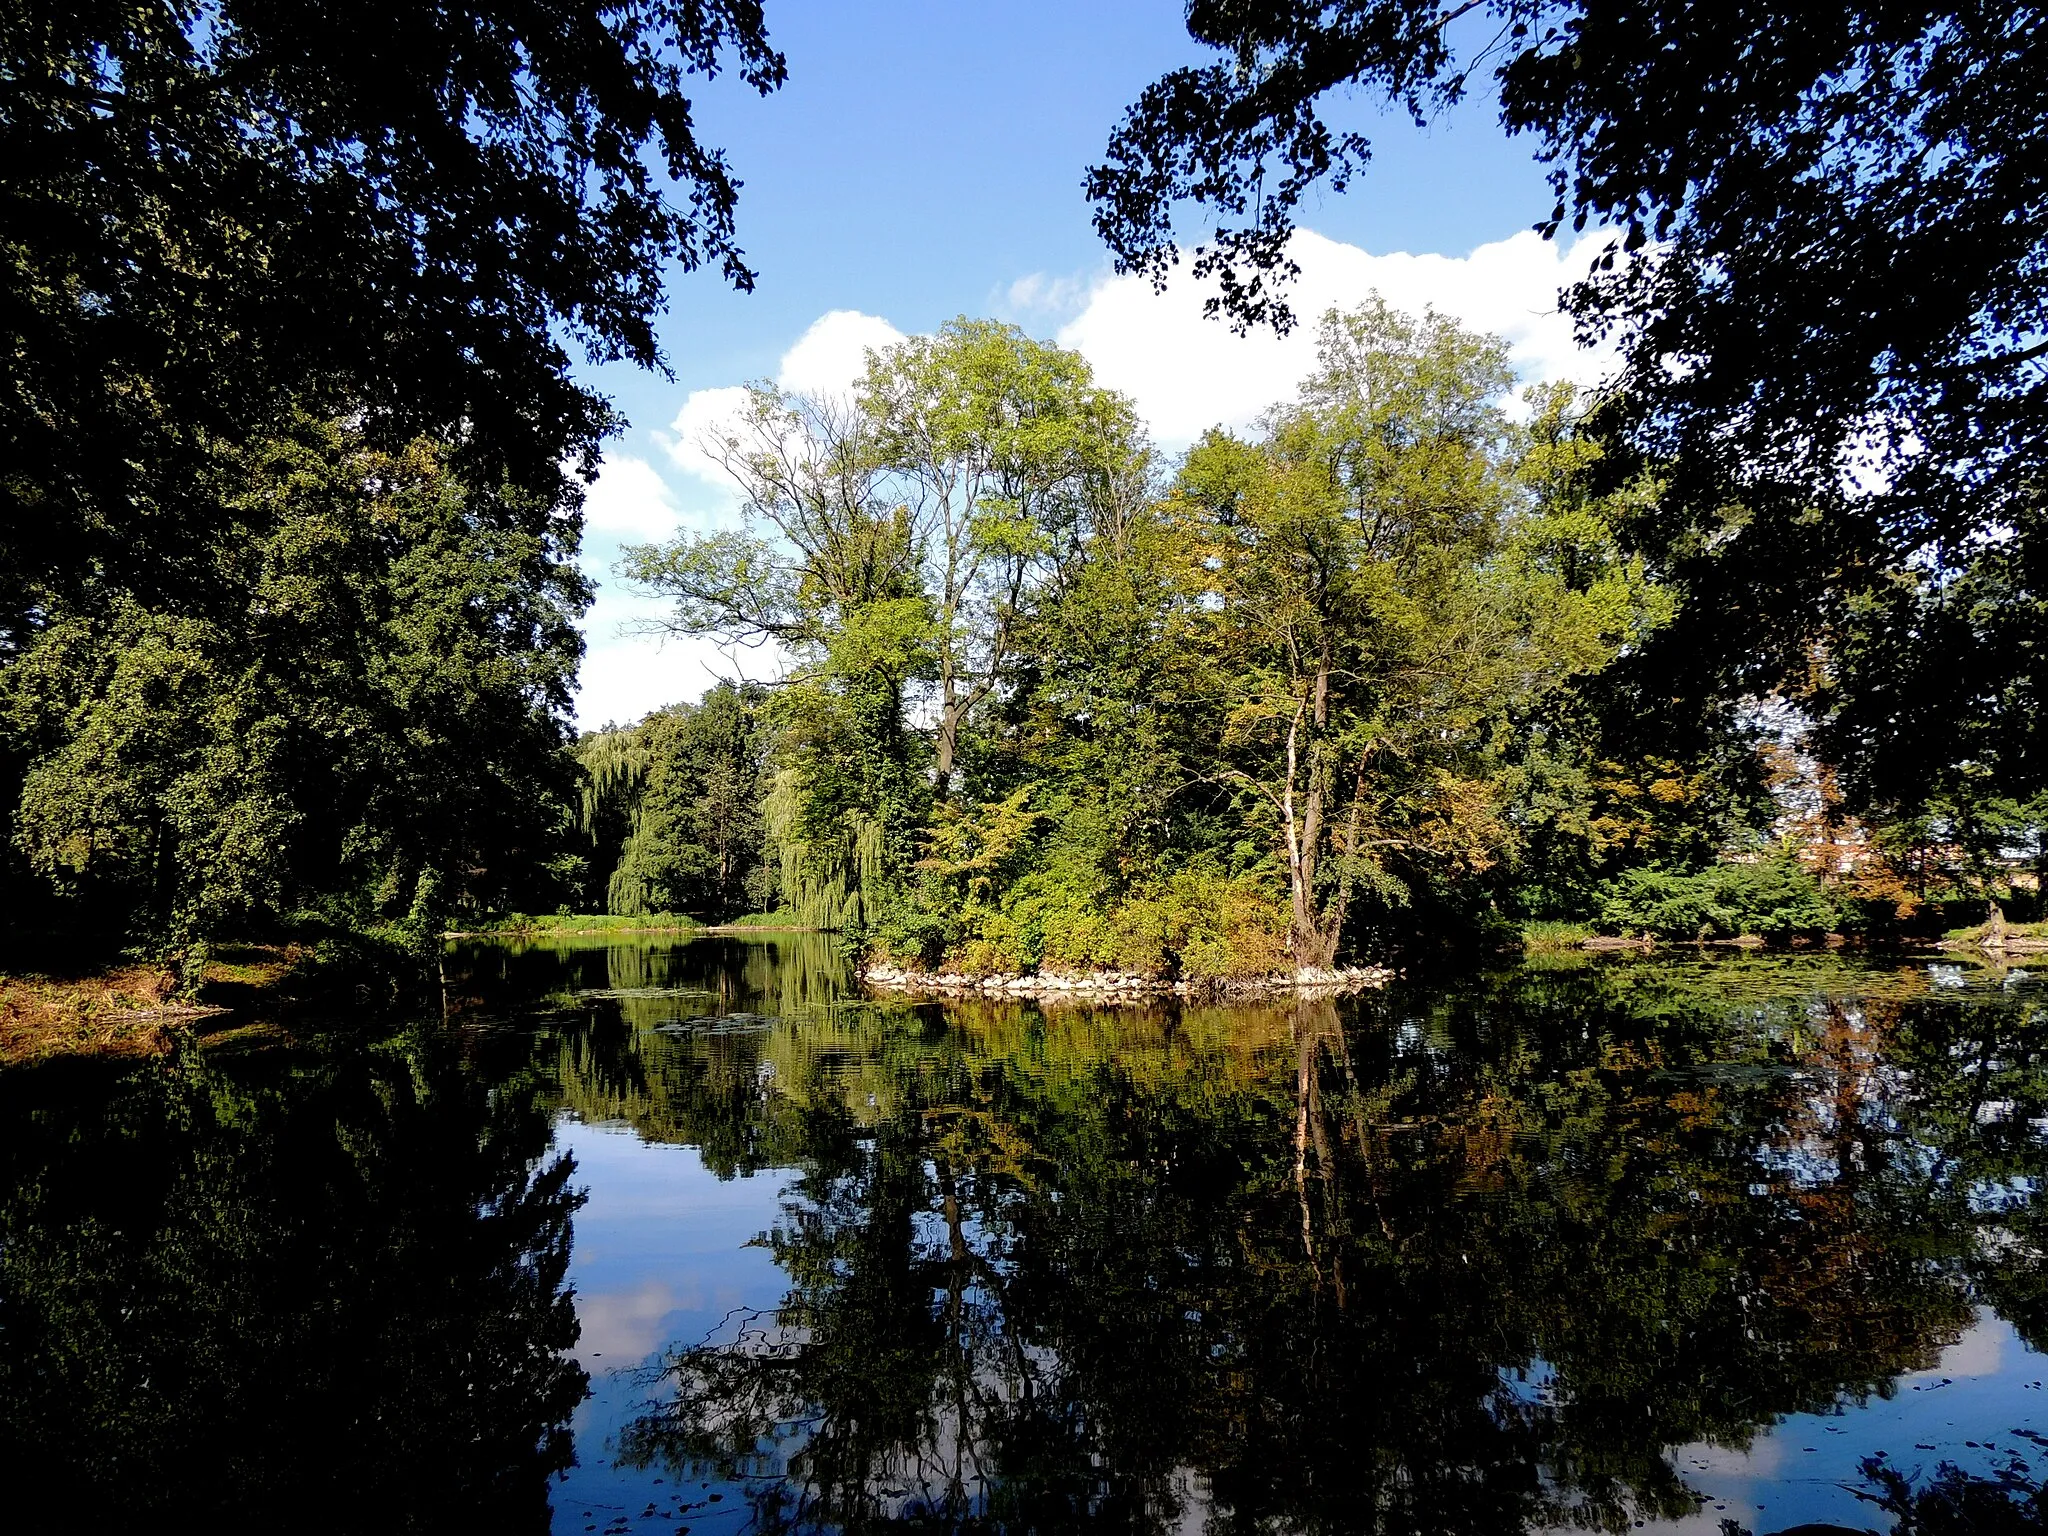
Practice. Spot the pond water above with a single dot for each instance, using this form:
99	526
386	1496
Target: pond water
673	1236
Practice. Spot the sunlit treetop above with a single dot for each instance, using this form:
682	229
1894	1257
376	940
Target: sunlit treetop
1830	234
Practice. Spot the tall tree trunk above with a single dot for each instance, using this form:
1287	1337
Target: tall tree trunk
951	708
1310	940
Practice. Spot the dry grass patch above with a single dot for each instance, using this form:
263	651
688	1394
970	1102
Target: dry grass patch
120	1012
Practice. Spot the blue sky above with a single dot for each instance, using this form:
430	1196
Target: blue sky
925	161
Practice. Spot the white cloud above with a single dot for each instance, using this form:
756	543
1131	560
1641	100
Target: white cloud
826	360
626	670
631	667
630	500
829	356
703	417
1188	373
1039	294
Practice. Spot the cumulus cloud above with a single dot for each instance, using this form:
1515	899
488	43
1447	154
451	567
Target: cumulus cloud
829	356
703	417
627	673
825	360
630	501
1040	294
1188	373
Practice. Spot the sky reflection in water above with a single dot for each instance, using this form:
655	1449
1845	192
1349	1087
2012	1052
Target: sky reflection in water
1680	1242
1742	1201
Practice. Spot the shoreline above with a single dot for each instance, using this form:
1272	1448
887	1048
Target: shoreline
127	1011
585	933
1117	986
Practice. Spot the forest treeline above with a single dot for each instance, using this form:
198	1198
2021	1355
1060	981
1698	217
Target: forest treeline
289	600
1052	699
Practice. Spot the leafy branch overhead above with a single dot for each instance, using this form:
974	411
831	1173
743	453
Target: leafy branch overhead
1827	235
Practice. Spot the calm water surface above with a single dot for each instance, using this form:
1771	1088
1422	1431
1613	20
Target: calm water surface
686	1236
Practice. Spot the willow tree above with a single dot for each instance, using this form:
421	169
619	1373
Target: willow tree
825	573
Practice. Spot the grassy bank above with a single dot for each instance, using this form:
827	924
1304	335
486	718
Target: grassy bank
118	1012
783	922
1547	936
542	925
128	1008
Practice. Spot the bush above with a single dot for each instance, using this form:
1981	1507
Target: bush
1773	898
1198	923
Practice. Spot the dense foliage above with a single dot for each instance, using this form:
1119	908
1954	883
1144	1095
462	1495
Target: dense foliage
1053	703
220	212
1369	674
286	603
370	723
672	811
1772	898
1825	282
288	607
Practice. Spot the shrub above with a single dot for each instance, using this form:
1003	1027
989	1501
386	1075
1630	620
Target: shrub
1773	898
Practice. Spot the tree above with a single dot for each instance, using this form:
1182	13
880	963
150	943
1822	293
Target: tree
1005	453
254	250
1381	608
672	808
373	731
1823	280
894	541
220	212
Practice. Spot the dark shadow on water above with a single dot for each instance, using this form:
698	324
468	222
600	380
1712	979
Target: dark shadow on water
310	1292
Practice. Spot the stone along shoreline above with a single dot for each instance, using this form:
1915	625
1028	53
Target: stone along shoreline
1122	985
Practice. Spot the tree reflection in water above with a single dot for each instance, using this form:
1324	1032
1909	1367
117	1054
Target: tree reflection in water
320	1292
1467	1260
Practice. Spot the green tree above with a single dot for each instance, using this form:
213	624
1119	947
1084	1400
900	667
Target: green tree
1006	455
1852	419
1388	601
894	542
372	730
673	808
259	258
222	212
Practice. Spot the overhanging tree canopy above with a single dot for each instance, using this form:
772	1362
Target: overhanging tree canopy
218	212
1826	282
